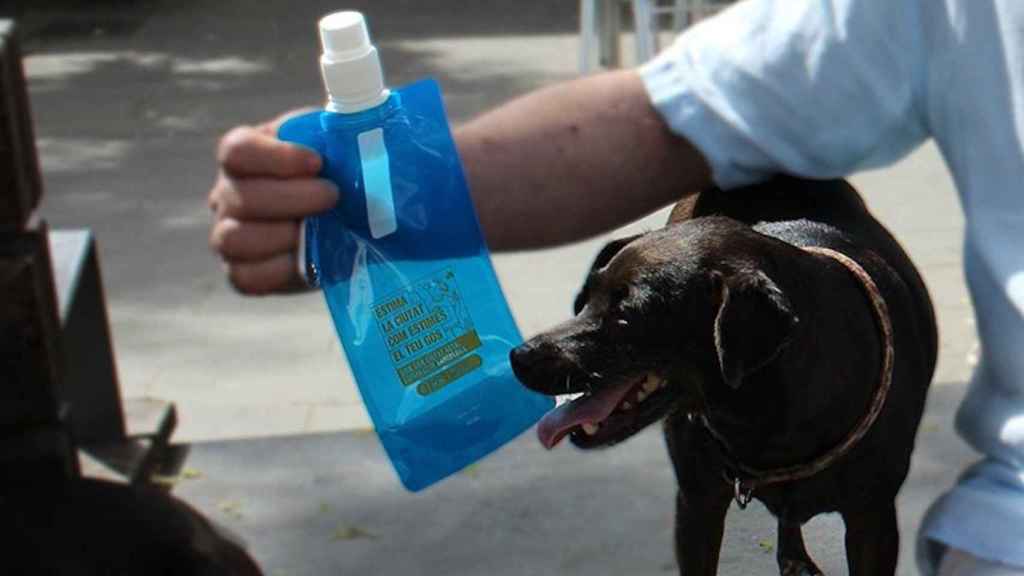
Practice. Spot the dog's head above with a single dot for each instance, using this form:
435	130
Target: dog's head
661	318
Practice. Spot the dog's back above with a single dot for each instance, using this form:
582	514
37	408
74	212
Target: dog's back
835	203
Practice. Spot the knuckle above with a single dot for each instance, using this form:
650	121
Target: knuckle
242	279
231	200
229	238
221	237
231	143
213	199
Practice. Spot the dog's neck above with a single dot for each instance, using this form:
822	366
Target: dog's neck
817	389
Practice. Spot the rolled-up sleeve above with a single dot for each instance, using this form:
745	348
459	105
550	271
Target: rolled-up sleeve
816	88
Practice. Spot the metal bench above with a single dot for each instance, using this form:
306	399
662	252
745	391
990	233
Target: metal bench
61	410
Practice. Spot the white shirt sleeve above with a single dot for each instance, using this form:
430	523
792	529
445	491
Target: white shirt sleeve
816	88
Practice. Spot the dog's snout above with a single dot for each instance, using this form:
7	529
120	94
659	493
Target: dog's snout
520	358
537	363
547	361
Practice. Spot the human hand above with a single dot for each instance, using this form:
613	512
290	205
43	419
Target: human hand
263	190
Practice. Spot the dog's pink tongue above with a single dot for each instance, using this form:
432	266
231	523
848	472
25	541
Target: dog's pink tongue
591	409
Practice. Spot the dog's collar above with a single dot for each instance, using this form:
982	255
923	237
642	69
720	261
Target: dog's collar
747	479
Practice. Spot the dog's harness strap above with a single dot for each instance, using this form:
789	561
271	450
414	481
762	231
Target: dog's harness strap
744	487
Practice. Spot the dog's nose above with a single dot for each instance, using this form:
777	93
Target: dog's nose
537	364
519	357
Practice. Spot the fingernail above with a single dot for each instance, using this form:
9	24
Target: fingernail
334	188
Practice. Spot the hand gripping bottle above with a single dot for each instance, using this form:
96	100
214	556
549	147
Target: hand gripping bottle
405	270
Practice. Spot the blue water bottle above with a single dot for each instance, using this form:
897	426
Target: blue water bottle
405	270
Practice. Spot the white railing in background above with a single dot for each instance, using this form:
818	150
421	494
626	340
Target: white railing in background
601	25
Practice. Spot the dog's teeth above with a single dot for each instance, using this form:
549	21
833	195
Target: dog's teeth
627	406
564	398
590	429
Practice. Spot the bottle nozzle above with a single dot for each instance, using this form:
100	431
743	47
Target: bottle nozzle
350	64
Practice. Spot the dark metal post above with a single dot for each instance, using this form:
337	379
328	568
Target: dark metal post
20	185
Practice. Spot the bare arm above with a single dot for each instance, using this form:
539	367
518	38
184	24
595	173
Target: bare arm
574	160
551	167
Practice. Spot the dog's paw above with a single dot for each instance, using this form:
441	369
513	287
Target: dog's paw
799	568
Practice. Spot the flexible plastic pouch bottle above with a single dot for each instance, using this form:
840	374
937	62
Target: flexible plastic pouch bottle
404	268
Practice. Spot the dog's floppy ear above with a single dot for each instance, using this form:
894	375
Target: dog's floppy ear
603	258
754	323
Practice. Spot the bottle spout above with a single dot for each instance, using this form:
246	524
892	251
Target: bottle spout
350	64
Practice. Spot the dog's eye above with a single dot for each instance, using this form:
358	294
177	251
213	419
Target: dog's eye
617	306
619	295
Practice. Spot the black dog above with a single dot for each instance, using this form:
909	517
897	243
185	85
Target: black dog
787	341
86	527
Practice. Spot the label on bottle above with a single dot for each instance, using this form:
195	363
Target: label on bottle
429	334
380	202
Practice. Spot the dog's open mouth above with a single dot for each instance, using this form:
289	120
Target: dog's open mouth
606	414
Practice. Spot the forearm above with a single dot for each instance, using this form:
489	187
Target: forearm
574	160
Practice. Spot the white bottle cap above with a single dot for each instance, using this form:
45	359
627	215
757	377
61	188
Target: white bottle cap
350	64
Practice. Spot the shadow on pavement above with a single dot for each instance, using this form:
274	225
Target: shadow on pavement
331	504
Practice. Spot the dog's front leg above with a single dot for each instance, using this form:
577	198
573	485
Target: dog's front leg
702	501
792	555
872	540
700	522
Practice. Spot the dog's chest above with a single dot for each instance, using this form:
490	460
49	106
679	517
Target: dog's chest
799	501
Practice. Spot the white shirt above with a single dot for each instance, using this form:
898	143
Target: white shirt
823	88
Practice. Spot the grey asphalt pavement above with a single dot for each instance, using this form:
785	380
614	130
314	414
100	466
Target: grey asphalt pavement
129	100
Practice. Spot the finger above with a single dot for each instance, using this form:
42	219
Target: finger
252	241
248	151
217	192
265	199
278	274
